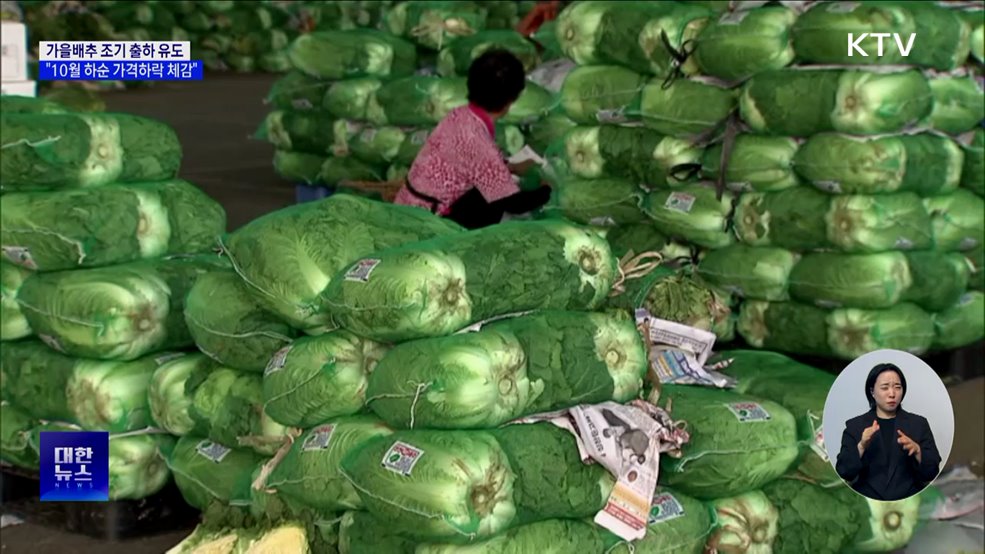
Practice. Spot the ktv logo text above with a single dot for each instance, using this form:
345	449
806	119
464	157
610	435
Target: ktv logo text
855	43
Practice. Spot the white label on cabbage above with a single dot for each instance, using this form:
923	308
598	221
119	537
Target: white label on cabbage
52	343
665	507
740	187
401	458
603	221
212	451
362	271
278	361
903	243
302	104
551	75
842	7
827	304
968	243
733	18
319	439
818	445
616	115
420	137
165	358
680	201
20	255
966	299
748	411
833	187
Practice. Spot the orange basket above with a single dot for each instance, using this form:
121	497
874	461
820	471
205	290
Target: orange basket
387	190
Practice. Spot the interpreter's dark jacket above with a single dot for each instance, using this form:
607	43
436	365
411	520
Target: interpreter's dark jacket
893	474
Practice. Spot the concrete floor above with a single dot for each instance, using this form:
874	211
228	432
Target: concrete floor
214	119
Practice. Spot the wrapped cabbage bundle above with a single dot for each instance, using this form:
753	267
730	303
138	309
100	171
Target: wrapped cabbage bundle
961	324
34	378
434	24
242	335
299	131
628	33
679	297
58	151
844	333
802	219
13	324
738	443
416	101
318	378
602	94
508	369
456	58
335	171
740	44
111	396
297	91
437	287
636	238
637	154
51	231
797	516
686	108
833	280
121	312
959	104
542	134
15	437
677	524
195	395
756	164
769	375
10	104
957	219
805	102
603	202
761	273
289	257
973	173
310	473
926	164
692	213
489	481
819	35
208	472
334	55
299	167
361	533
351	98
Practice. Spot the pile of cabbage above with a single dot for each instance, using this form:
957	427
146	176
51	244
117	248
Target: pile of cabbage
829	204
101	244
358	103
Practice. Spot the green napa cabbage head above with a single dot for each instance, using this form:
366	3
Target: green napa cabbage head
317	378
169	404
470	380
13	324
460	487
111	396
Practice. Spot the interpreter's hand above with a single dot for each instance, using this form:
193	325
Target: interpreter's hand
867	435
870	432
910	445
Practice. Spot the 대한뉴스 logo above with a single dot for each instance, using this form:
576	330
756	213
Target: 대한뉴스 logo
74	466
855	43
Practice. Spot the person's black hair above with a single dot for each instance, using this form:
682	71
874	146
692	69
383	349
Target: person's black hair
870	382
496	80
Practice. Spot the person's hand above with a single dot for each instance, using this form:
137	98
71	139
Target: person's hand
909	445
867	435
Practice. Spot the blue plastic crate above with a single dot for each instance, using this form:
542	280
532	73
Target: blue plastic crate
310	193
